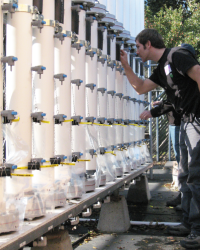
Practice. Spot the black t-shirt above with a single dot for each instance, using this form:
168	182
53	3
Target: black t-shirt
181	90
165	107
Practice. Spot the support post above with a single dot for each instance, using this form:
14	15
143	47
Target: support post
57	240
139	193
114	216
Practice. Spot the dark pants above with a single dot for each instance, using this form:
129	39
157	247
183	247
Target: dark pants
189	174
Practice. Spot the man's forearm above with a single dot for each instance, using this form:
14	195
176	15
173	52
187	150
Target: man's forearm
134	80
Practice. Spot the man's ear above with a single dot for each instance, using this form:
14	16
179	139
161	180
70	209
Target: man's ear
148	44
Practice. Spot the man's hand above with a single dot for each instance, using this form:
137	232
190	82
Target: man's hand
123	58
145	115
156	103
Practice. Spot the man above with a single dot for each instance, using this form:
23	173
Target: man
174	119
178	72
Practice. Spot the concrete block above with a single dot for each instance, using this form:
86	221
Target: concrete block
139	192
57	241
114	216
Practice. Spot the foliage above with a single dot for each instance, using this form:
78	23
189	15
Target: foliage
173	25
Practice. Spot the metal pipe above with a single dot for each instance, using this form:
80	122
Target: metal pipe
150	124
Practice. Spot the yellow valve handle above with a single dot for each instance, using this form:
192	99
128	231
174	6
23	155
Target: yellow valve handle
87	123
23	175
142	126
110	152
19	168
123	125
46	122
82	160
98	124
50	166
16	120
67	163
134	125
69	120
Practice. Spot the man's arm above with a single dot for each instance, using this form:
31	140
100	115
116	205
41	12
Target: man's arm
194	73
141	86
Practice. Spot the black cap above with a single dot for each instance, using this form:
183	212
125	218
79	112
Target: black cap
188	47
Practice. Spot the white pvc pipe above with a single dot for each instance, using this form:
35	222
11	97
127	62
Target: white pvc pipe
18	87
62	94
111	7
104	2
126	11
138	223
133	22
110	106
119	12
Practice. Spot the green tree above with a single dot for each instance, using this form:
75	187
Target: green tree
174	27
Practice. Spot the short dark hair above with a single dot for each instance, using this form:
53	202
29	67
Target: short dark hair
151	35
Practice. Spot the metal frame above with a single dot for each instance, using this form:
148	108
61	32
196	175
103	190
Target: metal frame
32	230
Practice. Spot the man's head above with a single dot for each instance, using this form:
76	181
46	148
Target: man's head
151	35
150	45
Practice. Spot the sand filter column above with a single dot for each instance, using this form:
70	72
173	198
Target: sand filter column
19	104
62	97
78	87
43	103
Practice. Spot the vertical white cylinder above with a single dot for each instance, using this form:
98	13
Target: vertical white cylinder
119	12
133	24
126	11
18	86
111	7
62	94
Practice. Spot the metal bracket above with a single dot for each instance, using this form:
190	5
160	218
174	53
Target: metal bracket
77	82
62	157
111	92
90	53
119	121
10	7
102	90
39	69
120	42
74	221
101	59
60	36
76	120
111	121
10	60
92	152
61	77
111	36
126	98
38	23
77	7
91	86
5	169
77	45
90	19
76	156
111	64
102	150
38	117
102	28
87	213
101	120
133	99
119	68
120	95
107	199
90	119
55	160
59	118
97	205
34	165
126	122
8	116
